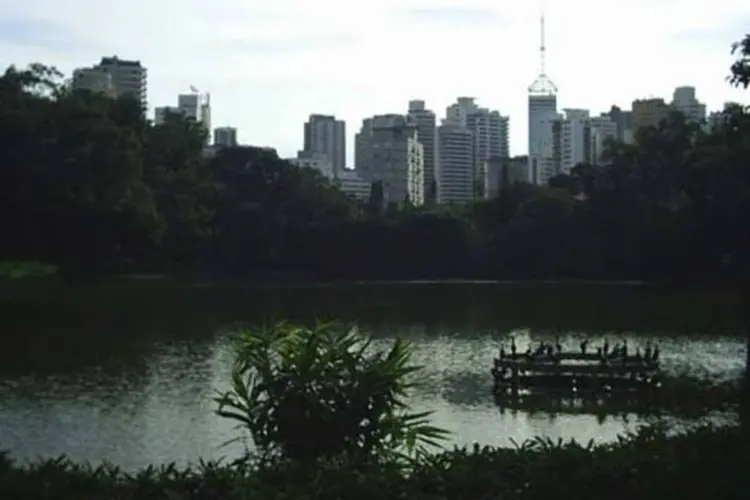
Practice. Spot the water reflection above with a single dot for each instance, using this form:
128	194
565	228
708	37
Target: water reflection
129	376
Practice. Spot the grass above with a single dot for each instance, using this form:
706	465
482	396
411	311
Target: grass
707	463
14	270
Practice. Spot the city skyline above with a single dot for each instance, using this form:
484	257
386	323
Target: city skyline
269	70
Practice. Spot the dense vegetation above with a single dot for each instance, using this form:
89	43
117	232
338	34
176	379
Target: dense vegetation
327	415
91	186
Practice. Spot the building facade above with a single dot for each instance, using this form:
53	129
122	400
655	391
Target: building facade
684	101
649	112
324	134
129	78
317	161
426	124
392	155
161	113
602	130
353	184
501	170
458	174
225	137
94	80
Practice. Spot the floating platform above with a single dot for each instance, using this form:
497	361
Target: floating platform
555	369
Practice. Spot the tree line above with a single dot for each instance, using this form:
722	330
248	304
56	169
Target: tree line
92	186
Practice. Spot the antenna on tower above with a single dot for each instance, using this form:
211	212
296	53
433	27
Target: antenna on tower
542	86
542	45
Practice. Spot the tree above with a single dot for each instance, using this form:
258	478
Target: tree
376	202
307	393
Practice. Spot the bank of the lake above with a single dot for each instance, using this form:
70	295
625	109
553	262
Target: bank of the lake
127	371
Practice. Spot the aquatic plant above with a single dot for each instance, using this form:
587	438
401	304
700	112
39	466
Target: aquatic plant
304	393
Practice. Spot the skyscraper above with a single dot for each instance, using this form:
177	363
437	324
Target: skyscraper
129	78
324	134
458	175
542	109
425	121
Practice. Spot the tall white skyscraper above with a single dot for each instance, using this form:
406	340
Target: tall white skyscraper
542	109
324	134
129	78
196	105
489	128
458	174
425	121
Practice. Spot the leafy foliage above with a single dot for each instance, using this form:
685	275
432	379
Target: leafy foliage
703	465
92	187
306	393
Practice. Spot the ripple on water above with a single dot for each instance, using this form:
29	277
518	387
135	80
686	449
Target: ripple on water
160	408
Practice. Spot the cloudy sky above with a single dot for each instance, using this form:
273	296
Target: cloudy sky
270	64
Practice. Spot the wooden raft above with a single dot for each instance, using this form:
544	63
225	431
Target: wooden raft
553	368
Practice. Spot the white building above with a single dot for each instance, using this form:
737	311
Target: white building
490	129
457	177
197	106
390	153
426	124
94	80
317	161
573	138
225	137
684	101
353	184
542	111
129	78
324	134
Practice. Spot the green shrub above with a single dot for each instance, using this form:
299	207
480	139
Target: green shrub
706	464
20	270
305	393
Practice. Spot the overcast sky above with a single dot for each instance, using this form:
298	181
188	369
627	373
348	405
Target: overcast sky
268	65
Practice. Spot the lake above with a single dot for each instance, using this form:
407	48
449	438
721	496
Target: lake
126	371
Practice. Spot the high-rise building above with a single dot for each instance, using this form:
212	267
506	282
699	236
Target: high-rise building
649	112
425	121
542	109
622	119
94	80
684	101
390	153
353	184
490	129
502	170
161	113
129	78
316	161
458	174
601	130
362	150
196	105
225	137
324	134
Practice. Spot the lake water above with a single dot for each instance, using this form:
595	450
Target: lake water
127	372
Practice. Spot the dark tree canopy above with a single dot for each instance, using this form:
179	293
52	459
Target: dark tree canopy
90	185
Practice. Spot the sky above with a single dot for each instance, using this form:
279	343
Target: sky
268	65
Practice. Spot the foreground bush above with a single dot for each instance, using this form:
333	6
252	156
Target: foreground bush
708	464
305	393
